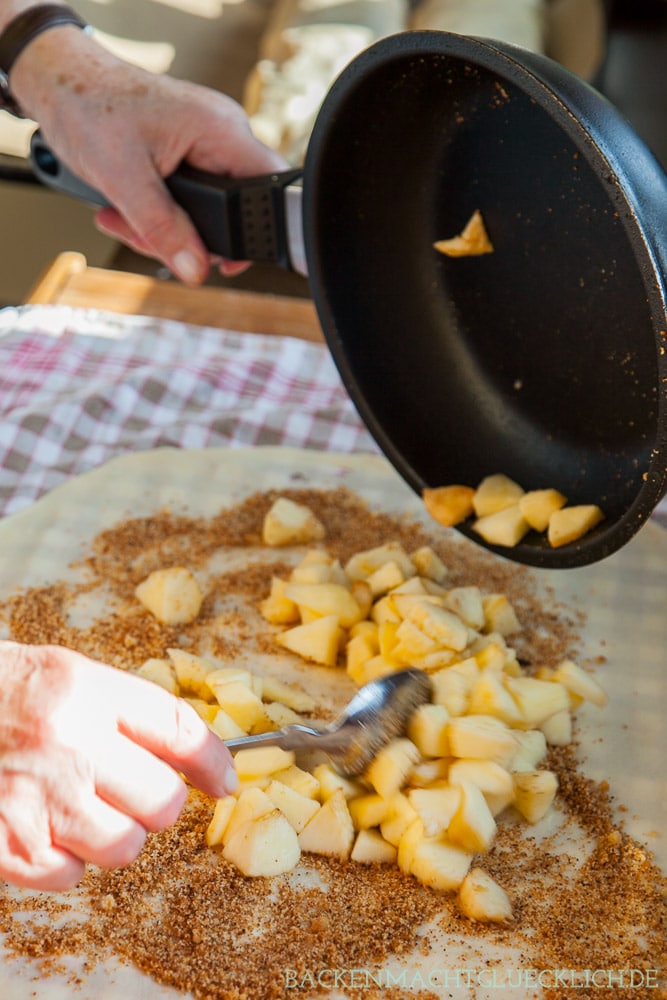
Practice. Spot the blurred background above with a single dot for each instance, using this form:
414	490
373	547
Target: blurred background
279	57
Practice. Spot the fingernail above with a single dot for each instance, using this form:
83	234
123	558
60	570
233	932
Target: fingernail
187	267
231	780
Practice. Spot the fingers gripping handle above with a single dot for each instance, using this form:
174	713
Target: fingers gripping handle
239	219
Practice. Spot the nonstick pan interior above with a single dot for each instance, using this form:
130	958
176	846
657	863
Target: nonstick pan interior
544	360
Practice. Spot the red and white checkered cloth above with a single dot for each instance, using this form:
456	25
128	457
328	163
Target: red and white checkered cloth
78	387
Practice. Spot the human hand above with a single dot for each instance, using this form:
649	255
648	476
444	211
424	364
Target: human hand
89	757
122	130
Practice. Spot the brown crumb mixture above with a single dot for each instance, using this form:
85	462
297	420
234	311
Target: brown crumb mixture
184	916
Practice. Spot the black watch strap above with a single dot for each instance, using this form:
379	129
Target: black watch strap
20	32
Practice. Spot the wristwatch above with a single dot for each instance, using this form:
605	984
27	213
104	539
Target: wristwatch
20	32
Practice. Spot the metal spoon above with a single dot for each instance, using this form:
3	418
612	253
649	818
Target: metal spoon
377	713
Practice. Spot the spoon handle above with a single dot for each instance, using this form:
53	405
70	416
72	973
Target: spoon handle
294	737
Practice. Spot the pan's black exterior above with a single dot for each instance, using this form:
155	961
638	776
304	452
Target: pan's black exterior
545	360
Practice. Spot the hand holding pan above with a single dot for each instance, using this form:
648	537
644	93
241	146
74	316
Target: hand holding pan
546	359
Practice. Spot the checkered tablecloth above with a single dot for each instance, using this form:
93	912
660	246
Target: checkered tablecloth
78	387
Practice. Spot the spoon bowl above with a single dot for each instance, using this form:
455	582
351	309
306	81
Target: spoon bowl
378	713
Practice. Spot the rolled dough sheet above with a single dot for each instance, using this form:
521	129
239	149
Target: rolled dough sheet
624	599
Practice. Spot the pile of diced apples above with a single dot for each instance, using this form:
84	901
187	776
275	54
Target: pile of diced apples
429	802
504	512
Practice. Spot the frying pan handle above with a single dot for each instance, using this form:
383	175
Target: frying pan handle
239	219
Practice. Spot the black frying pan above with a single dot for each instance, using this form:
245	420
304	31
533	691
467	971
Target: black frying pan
546	360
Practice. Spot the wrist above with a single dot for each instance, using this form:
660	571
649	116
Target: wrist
22	25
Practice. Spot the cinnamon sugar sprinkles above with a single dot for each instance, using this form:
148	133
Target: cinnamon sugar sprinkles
590	904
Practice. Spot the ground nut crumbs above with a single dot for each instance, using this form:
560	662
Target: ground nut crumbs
188	919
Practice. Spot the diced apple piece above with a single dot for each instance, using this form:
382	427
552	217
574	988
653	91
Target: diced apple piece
384	610
451	689
370	670
472	826
252	762
325	599
368	810
486	774
438	659
496	493
312	572
531	749
317	556
491	655
367	629
400	816
242	704
406	843
301	781
557	729
204	710
274	689
331	830
427	728
370	848
472	241
290	523
481	898
499	615
534	792
390	767
468	668
481	737
569	524
495	782
318	640
441	864
443	626
171	595
216	678
428	772
363	595
466	602
250	804
435	807
537	506
191	671
387	638
277	608
159	672
331	781
489	696
428	563
224	726
262	782
362	564
385	577
415	586
298	809
506	527
358	650
277	716
536	699
220	820
403	600
449	505
264	847
578	682
411	643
